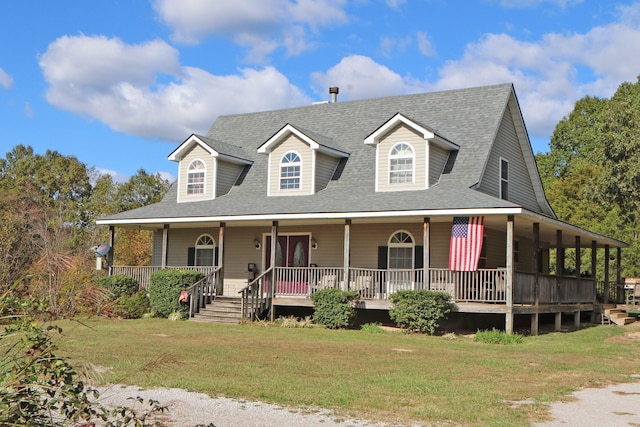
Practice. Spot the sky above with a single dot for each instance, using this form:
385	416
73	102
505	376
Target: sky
119	84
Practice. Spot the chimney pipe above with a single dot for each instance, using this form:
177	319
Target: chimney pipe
334	90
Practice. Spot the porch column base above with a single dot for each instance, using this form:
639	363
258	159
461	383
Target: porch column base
558	321
576	319
534	324
508	322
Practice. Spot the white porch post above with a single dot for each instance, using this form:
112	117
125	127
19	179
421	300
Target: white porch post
347	245
559	268
594	259
535	317
509	278
220	281
274	245
619	285
576	314
607	290
165	246
426	243
112	242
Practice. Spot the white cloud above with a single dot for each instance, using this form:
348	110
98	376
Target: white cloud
5	79
424	44
549	74
122	178
360	77
117	84
261	25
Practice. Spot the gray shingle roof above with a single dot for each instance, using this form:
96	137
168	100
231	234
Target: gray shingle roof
468	117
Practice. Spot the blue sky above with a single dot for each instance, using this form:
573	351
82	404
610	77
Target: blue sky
119	83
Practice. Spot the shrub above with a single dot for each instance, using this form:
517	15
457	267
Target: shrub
39	387
419	311
495	336
334	308
119	284
372	328
165	287
294	322
134	306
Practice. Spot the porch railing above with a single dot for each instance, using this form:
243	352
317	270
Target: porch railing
143	274
256	296
551	289
202	292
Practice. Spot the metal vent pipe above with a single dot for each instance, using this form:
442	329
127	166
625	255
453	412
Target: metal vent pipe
334	90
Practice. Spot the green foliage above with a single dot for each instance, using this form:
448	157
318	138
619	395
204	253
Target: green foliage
419	311
591	173
119	284
495	336
334	308
134	306
40	388
165	288
372	328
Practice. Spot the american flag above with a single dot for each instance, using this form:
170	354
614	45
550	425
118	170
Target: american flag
466	243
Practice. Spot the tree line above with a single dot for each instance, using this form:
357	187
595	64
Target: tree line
48	207
591	173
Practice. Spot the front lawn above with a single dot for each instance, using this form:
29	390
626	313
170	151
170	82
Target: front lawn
380	376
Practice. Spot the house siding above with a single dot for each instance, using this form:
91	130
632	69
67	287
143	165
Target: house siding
506	146
398	134
196	152
325	167
292	143
228	174
437	159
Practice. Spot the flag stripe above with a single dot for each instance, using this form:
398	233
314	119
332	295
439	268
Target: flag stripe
466	243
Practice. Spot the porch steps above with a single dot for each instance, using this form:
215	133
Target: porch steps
222	310
617	315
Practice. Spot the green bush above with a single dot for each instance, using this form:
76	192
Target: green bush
419	311
165	287
334	308
372	328
496	336
134	306
119	284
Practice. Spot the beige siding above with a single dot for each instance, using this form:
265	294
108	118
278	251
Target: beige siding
325	167
437	159
507	147
402	133
227	173
292	143
197	152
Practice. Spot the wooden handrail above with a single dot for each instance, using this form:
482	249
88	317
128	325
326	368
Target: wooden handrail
253	301
200	290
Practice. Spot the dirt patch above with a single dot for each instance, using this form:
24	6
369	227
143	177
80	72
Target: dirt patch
630	337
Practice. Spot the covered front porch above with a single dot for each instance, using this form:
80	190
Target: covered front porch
337	252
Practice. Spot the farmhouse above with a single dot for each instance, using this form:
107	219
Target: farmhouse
432	191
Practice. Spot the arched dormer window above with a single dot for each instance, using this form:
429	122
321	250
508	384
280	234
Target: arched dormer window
290	171
195	177
401	250
205	250
401	164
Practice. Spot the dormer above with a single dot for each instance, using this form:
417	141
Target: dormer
207	168
409	155
301	162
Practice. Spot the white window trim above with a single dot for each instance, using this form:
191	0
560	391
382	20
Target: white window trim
204	182
501	179
411	245
211	246
299	164
413	164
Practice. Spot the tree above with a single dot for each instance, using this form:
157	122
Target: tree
591	174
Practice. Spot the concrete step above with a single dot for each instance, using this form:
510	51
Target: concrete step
221	310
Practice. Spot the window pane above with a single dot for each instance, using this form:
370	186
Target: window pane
401	258
204	256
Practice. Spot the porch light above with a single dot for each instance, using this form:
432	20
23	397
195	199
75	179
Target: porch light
314	244
256	243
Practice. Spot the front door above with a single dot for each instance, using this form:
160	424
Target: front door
291	251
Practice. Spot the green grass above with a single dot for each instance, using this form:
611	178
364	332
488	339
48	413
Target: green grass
381	376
